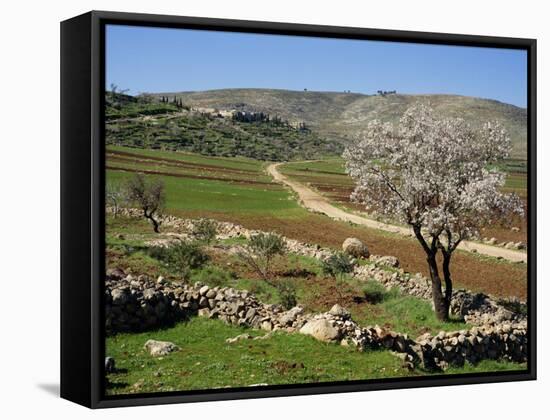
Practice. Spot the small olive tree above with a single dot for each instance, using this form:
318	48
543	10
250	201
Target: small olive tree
149	196
437	176
259	253
115	196
337	266
205	230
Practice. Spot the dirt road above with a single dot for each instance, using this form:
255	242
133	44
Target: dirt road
314	201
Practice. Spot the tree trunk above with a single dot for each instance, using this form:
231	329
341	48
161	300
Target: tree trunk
448	280
155	224
440	304
149	215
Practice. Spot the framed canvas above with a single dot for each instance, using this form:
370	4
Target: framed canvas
256	209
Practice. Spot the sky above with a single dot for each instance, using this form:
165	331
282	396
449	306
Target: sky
145	59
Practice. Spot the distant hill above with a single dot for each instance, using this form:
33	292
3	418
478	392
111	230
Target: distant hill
337	116
144	122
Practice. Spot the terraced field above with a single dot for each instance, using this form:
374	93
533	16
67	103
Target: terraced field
329	178
239	190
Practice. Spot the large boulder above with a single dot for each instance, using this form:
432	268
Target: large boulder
321	329
355	248
160	348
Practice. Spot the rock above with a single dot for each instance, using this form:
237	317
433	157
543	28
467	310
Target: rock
160	348
238	338
148	294
116	273
161	280
264	337
109	365
509	245
337	310
514	229
520	245
204	312
492	241
250	314
355	248
320	329
388	261
203	290
119	296
290	316
267	326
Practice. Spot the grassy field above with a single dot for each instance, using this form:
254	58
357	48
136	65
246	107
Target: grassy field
242	193
206	361
369	303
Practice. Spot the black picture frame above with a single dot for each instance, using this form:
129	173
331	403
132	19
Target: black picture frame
82	205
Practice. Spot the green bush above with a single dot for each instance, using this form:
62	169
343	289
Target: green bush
181	258
205	230
373	291
212	276
287	293
260	252
337	264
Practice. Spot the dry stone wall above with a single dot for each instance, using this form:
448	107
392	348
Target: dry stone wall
140	303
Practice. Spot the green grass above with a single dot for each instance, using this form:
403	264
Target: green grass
402	313
222	162
368	302
205	361
219	196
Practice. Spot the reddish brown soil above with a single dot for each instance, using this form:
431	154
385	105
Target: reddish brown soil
470	271
189	176
177	162
341	195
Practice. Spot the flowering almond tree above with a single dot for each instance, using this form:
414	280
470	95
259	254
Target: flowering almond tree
437	176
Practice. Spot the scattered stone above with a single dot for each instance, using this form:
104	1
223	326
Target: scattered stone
320	329
337	310
160	348
240	337
386	260
355	248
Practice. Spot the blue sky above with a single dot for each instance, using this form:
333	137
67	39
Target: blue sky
144	59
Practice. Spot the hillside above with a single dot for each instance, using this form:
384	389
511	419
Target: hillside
149	124
337	116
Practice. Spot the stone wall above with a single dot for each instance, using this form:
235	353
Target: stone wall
140	303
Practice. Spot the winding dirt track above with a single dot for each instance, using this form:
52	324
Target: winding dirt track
314	201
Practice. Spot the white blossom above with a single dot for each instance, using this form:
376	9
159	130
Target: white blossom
436	174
